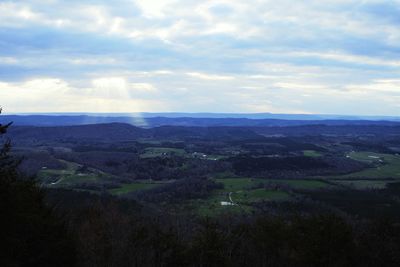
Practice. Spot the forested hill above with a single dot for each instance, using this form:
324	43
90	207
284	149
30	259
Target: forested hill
111	131
122	132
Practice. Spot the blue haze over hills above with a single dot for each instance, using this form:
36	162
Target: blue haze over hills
195	119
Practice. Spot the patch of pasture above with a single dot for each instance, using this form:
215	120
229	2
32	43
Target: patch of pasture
312	153
71	175
385	165
212	206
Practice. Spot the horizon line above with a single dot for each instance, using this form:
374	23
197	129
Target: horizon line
133	114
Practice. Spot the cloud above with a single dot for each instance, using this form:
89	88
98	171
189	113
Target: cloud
154	8
350	58
384	86
205	76
212	55
8	61
56	95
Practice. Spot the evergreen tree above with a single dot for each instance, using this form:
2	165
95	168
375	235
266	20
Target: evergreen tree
30	233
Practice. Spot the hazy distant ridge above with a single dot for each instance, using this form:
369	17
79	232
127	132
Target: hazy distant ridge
197	119
225	115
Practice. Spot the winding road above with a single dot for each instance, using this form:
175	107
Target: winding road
230	198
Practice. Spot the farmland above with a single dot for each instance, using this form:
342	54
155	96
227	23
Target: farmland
311	153
234	170
385	165
244	192
72	175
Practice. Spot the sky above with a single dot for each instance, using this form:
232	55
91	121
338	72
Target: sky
233	56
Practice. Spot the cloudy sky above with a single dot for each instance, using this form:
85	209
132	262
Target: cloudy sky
286	56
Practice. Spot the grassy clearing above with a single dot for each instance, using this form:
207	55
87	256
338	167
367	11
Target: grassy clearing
243	200
245	193
70	176
312	153
128	188
212	206
152	152
386	165
236	184
369	157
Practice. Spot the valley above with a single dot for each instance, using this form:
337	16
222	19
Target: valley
231	169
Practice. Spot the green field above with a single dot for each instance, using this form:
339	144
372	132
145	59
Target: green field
212	205
386	165
312	153
70	175
152	152
244	194
369	157
128	188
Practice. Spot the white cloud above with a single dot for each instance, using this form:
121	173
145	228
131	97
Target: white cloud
300	86
8	61
92	61
143	87
385	86
349	58
206	76
55	95
154	8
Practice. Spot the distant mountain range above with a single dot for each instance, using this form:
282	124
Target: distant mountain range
149	120
226	115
